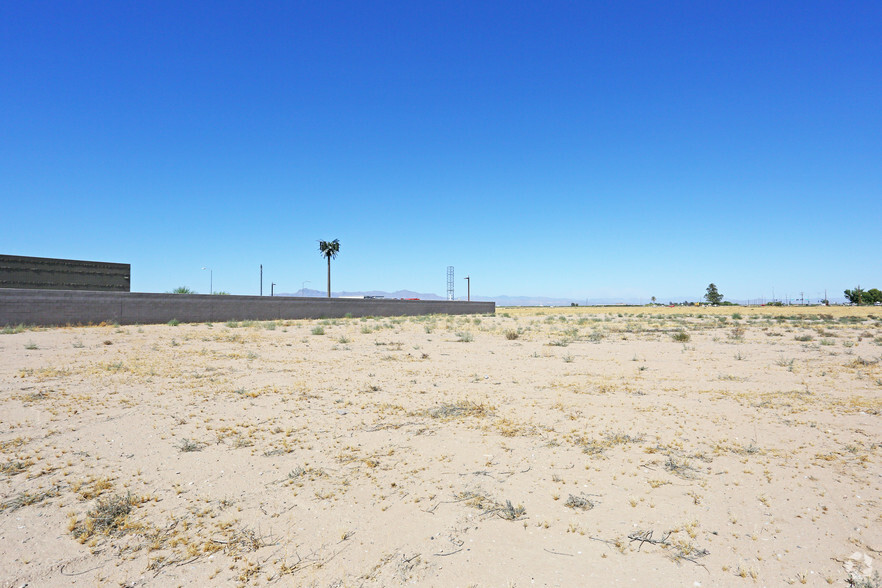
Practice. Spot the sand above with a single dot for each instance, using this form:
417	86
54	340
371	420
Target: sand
546	447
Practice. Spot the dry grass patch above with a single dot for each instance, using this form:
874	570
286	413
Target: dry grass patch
108	517
460	410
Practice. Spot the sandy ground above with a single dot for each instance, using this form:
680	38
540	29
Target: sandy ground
546	447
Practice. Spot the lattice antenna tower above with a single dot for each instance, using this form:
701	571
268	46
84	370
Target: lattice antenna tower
450	282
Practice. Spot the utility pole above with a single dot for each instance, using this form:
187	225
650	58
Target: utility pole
210	279
261	279
468	288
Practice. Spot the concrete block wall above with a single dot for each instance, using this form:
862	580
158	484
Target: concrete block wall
62	307
46	273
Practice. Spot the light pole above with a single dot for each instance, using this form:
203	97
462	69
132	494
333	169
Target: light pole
210	279
272	289
468	288
303	286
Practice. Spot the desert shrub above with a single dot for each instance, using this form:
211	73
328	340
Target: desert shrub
187	446
579	502
681	337
465	408
108	517
510	512
12	329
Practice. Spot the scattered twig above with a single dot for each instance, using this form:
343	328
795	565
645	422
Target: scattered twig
693	559
610	543
384	426
646	537
478	473
63	573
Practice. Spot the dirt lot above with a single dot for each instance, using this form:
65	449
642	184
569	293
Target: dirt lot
547	447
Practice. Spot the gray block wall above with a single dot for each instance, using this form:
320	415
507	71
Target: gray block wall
47	273
62	307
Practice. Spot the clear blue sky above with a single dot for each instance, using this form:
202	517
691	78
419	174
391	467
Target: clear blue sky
566	149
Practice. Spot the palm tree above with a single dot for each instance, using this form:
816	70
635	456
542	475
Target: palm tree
329	249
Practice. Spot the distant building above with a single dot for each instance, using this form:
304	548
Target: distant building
43	273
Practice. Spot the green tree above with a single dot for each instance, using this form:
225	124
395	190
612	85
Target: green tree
182	290
713	296
855	296
872	296
329	249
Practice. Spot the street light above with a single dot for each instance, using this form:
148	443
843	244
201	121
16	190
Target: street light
303	286
210	279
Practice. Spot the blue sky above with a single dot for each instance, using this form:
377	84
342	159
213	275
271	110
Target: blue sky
565	149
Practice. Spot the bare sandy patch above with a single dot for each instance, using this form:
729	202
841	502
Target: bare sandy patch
553	447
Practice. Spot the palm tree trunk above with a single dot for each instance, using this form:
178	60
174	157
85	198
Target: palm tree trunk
329	276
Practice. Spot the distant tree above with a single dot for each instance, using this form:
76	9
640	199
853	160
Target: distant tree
873	296
329	249
653	299
713	296
182	290
855	296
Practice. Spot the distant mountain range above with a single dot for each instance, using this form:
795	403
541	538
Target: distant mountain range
512	300
499	300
